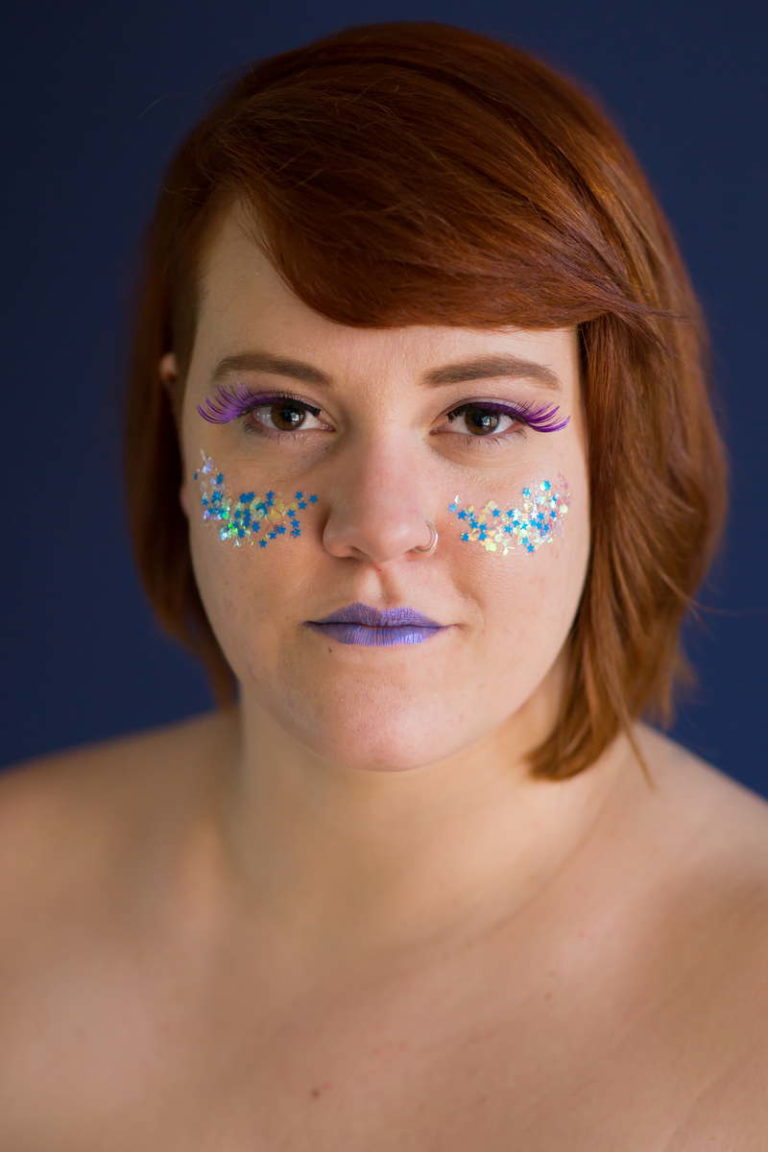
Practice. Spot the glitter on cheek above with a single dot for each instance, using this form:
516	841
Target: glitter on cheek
253	519
536	521
250	519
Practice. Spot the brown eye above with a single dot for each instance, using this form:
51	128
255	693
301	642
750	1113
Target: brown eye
278	416
285	416
481	420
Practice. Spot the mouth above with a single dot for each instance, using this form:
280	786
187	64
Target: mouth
376	635
364	614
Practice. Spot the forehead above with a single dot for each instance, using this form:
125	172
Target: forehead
234	265
245	303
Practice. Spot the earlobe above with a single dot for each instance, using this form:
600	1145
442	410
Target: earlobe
167	372
168	369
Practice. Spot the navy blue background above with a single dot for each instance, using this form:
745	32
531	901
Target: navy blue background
96	95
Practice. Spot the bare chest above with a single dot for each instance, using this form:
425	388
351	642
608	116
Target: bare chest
634	1025
465	1060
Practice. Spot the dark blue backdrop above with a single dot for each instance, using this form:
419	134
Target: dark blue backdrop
98	94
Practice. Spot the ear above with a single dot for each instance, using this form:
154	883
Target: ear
168	369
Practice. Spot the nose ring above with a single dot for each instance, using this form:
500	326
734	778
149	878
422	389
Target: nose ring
426	548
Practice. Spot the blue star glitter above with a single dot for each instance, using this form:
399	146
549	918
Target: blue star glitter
245	518
527	528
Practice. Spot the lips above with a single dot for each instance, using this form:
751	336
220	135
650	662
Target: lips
359	613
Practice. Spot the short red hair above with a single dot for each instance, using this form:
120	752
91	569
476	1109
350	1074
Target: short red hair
414	172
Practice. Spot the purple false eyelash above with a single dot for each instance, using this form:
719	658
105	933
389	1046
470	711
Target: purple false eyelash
230	403
541	419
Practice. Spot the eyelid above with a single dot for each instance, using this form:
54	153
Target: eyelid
230	402
532	414
509	407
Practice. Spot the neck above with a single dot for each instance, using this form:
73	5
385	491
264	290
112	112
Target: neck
339	859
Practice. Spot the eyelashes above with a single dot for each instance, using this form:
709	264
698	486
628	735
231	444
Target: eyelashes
230	403
233	402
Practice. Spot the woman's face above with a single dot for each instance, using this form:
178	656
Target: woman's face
331	512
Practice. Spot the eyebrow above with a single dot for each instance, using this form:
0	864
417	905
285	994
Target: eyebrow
485	367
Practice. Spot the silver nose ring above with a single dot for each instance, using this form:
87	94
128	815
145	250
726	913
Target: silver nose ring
432	541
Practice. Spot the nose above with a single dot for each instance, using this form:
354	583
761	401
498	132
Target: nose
380	508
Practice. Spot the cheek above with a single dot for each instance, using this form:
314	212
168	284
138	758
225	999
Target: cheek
248	518
228	523
530	555
525	550
526	523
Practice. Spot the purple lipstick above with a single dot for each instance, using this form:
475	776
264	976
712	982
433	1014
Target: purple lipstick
360	624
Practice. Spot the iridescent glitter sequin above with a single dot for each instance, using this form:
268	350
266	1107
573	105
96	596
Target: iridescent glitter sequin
524	528
251	518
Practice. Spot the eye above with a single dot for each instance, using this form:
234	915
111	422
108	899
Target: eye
486	419
240	402
292	412
283	408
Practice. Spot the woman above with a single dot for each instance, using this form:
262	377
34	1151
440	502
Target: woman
422	463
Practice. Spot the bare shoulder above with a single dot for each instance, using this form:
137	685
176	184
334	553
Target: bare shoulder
712	829
63	811
712	968
728	817
174	739
104	760
86	838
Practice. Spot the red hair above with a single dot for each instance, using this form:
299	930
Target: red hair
414	172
